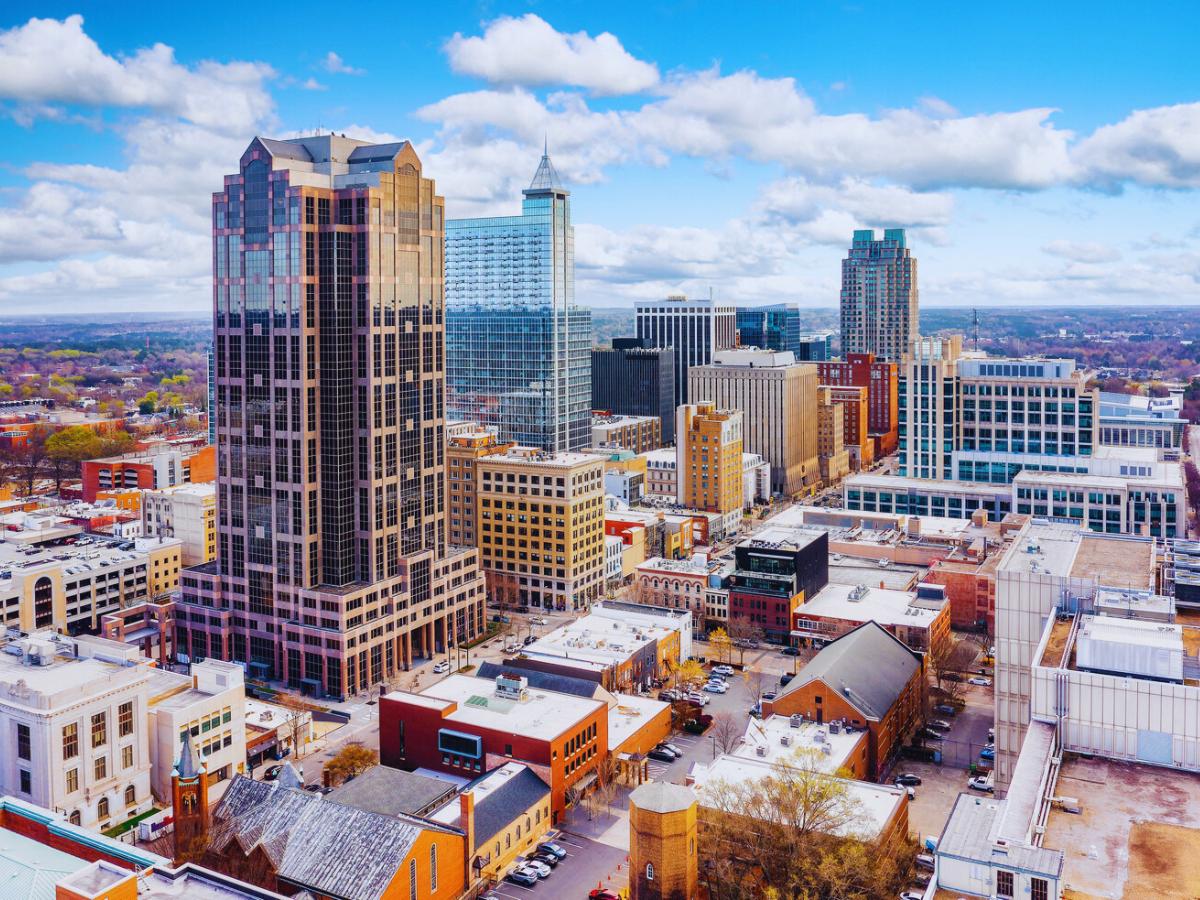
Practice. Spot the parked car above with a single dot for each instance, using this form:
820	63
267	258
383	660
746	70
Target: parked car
991	735
548	859
790	651
768	695
910	791
785	679
529	640
931	735
661	755
697	697
716	687
907	778
723	669
272	773
910	895
979	783
939	724
603	894
756	711
538	866
945	709
551	847
981	681
668	696
441	668
523	876
668	748
952	676
987	753
539	620
925	861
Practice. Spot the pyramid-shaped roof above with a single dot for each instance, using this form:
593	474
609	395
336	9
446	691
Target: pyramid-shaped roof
545	178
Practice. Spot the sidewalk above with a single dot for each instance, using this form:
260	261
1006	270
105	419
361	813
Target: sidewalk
610	827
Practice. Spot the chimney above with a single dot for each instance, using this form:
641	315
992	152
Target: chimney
466	807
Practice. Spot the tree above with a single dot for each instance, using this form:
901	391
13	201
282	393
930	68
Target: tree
726	732
950	656
604	788
722	647
351	760
689	674
744	633
25	461
756	681
68	448
797	833
297	720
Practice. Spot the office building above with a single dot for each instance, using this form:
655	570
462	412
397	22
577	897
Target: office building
333	571
778	327
778	400
187	512
831	437
881	381
692	329
517	345
463	451
774	573
636	379
636	433
539	522
879	300
708	461
161	466
855	412
1132	420
928	408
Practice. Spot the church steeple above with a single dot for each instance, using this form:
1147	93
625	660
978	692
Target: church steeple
189	801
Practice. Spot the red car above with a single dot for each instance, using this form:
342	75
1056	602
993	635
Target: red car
603	894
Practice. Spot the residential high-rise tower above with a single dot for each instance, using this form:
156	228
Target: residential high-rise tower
879	295
333	571
517	346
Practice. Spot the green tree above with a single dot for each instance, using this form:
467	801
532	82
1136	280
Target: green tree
351	760
68	448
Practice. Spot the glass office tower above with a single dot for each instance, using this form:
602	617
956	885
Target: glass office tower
518	349
879	298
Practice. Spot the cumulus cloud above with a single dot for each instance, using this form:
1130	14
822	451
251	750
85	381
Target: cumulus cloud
529	51
335	65
1154	147
1082	251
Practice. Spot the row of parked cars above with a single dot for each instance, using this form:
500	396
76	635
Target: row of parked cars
538	865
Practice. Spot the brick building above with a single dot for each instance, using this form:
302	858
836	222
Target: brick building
774	572
161	467
882	380
867	677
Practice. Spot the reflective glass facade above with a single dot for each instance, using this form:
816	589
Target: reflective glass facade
879	301
517	346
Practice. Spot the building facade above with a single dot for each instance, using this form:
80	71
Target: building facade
463	452
636	433
517	345
332	570
879	299
635	378
881	380
162	467
774	572
540	526
708	460
778	327
187	512
693	330
778	400
831	438
856	436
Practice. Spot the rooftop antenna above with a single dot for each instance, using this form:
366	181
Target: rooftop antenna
975	325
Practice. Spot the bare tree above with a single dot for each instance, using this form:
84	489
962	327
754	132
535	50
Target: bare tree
744	633
756	681
297	721
726	732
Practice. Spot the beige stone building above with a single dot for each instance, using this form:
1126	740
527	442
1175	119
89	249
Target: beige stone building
540	527
187	512
778	400
708	454
831	443
463	451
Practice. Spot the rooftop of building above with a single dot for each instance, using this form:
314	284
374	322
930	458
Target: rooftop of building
690	566
537	713
780	738
628	714
535	456
43	672
1137	836
501	795
855	570
752	358
969	834
874	804
189	881
778	537
662	797
878	528
862	603
661	457
67	546
600	639
932	485
201	489
391	792
613	420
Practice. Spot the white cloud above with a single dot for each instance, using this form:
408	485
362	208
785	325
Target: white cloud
46	61
335	65
1082	251
311	84
529	51
1155	147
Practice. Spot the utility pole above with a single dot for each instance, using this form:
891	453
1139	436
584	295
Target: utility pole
975	326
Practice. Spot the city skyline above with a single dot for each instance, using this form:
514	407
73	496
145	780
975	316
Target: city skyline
1054	184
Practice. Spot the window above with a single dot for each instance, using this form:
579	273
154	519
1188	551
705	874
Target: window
74	818
649	871
70	740
433	868
127	757
1004	884
102	808
1039	889
130	796
99	729
412	879
125	719
26	782
101	767
72	780
23	742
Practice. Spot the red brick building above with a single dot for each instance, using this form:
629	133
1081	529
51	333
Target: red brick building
162	467
866	677
466	726
882	381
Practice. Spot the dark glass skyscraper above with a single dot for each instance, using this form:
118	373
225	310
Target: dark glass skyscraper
778	327
518	348
333	571
635	379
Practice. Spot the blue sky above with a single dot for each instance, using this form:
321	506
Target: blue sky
1039	153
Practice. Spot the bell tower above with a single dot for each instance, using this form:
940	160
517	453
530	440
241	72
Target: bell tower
663	857
189	800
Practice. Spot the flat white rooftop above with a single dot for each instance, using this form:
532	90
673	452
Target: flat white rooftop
776	740
600	639
1044	549
928	485
542	714
630	714
887	607
1112	630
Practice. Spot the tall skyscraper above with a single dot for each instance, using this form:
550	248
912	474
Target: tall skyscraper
693	329
636	379
333	571
517	346
879	296
778	327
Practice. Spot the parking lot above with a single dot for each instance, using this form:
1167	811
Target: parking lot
589	864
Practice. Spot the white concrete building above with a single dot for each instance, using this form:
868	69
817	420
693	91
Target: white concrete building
756	479
74	721
187	512
613	548
210	704
661	468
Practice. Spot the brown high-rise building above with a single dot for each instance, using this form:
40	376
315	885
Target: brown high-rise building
881	379
333	571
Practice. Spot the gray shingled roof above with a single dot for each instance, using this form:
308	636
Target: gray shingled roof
328	848
512	799
393	792
867	666
286	149
662	797
545	681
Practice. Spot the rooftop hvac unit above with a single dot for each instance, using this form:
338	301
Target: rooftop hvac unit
819	737
827	750
760	750
797	720
786	740
834	727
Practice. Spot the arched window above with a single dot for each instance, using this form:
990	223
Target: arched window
43	603
649	871
102	808
74	818
528	825
130	796
433	868
507	841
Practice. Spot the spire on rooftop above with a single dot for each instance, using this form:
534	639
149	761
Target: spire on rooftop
546	177
189	758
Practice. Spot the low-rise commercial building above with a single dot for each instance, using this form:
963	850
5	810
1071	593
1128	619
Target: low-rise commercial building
919	619
162	466
774	572
676	584
636	433
187	512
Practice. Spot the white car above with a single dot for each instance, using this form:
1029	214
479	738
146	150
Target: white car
982	682
441	668
697	697
723	669
979	783
716	687
538	866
